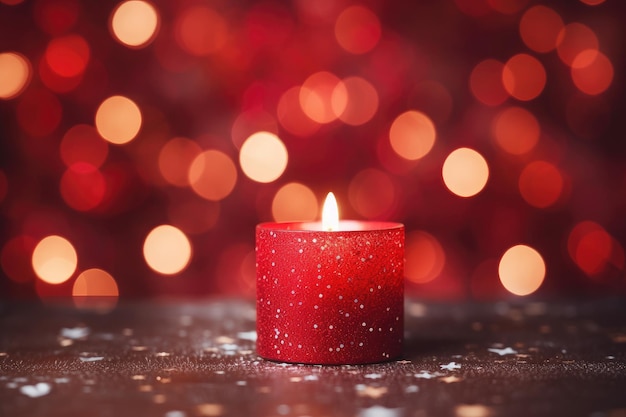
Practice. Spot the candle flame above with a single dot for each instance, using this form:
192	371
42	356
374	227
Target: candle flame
330	213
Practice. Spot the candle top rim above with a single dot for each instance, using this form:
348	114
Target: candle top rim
344	226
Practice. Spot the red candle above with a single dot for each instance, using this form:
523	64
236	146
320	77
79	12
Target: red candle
330	292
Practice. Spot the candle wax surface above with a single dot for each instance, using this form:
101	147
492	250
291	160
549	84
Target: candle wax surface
330	297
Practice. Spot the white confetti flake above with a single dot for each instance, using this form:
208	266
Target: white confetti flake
426	375
75	333
229	346
91	358
502	352
38	390
175	413
251	335
450	366
374	376
379	411
411	388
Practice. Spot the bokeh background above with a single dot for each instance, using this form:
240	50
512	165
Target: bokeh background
141	142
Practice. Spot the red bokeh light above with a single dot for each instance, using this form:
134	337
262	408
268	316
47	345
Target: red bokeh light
540	27
81	143
83	186
56	17
541	184
486	82
524	77
68	55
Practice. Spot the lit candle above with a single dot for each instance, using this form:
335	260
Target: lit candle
330	292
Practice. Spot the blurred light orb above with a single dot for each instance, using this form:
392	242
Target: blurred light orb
291	116
592	72
95	282
95	289
593	249
82	186
540	27
323	96
251	121
574	39
412	135
68	56
465	172
263	157
56	17
486	82
294	202
372	193
212	175
134	23
425	257
357	29
540	184
355	101
516	130
201	31
15	73
81	143
118	120
592	2
524	77
167	250
54	259
521	270
175	158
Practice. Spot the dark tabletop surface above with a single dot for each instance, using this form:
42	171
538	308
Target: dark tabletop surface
180	359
